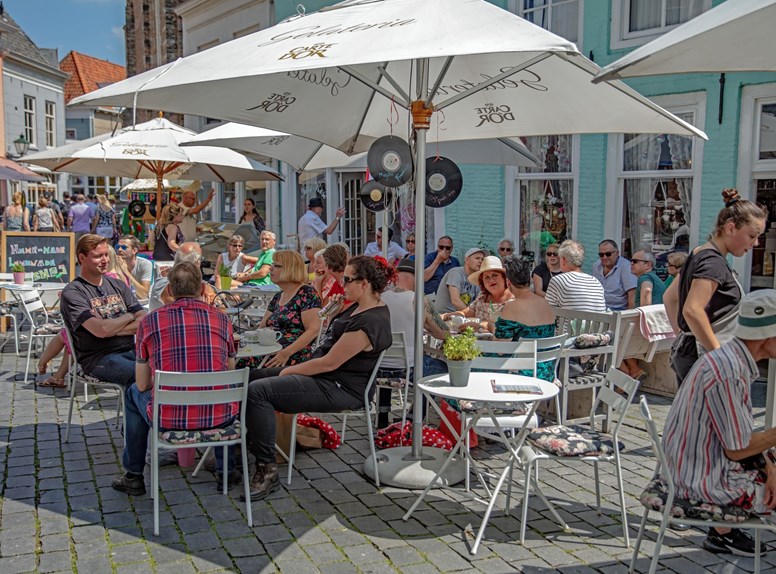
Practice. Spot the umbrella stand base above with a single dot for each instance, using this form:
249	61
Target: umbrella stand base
399	468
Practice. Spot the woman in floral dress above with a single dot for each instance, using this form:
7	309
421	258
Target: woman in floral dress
293	312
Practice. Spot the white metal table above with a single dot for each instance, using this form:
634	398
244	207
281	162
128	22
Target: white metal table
256	350
480	391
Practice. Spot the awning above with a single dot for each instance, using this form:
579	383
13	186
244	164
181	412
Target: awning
11	170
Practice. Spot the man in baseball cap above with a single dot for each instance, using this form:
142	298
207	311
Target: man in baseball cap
455	292
713	453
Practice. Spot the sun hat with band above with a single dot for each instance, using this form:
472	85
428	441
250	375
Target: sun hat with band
757	315
490	263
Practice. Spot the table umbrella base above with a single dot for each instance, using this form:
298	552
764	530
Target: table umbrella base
399	468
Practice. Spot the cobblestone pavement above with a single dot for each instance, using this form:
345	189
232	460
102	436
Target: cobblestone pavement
58	512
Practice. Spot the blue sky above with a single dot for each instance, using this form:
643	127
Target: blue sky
92	27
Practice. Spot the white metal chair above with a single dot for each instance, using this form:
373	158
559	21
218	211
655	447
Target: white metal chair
42	327
75	376
754	522
187	389
600	447
366	413
397	350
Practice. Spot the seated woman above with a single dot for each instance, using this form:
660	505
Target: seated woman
527	316
293	312
333	380
335	257
310	248
486	308
234	260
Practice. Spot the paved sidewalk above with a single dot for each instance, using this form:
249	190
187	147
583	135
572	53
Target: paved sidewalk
58	512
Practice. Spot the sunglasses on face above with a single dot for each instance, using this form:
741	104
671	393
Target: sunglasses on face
552	254
121	247
349	280
410	241
275	266
445	247
606	253
506	249
634	260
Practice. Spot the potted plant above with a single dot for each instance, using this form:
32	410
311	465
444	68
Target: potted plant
460	350
18	273
226	277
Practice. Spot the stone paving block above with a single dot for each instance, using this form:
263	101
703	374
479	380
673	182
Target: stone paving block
286	551
232	529
137	568
92	549
211	559
242	547
55	542
323	553
166	553
363	553
55	561
403	555
338	568
17	546
17	564
129	553
260	564
182	567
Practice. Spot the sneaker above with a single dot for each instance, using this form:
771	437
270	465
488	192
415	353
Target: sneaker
132	485
735	542
233	479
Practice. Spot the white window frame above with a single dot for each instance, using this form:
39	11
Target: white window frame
51	123
29	120
623	38
516	7
677	103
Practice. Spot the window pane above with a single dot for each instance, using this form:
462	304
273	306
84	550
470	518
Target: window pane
768	132
554	151
648	152
644	14
229	209
530	4
656	216
545	214
679	11
565	20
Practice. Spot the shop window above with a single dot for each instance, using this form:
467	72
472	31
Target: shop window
767	147
635	22
229	210
561	17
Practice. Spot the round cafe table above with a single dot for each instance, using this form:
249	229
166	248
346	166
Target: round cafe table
256	350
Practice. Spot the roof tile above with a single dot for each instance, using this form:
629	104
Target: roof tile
88	73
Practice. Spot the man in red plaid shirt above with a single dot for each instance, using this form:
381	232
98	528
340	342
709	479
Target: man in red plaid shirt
187	335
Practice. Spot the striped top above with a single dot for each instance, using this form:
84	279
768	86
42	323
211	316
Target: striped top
712	412
576	291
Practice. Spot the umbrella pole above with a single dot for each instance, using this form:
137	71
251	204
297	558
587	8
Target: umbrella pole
159	188
413	466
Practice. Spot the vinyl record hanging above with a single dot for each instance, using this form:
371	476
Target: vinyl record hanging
375	196
152	207
444	182
136	208
390	161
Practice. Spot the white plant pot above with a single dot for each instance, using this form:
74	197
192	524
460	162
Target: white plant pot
459	372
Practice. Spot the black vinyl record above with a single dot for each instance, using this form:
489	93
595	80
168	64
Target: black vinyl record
390	161
136	208
444	182
374	196
152	207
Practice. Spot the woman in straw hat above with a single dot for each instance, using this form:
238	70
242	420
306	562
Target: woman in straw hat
486	308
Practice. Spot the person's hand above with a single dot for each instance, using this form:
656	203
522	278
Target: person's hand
279	359
769	498
211	193
476	325
340	213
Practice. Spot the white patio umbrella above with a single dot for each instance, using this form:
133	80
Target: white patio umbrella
152	185
353	72
736	36
306	154
152	149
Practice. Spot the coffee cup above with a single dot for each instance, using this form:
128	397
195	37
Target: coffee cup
267	336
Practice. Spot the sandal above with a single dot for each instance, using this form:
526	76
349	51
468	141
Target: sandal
53	382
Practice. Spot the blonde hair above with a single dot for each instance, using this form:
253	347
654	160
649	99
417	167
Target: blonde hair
291	267
42	202
169	213
17	198
103	199
113	261
315	243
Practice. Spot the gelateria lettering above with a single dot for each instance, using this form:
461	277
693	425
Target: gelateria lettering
275	103
277	140
302	52
491	114
525	78
318	31
334	81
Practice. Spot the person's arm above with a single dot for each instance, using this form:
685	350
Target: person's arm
671	303
141	287
95	219
455	298
632	298
646	293
219	262
538	284
333	225
433	322
172	234
26	219
249	259
35	221
429	271
259	273
759	442
197	208
104	328
70	220
55	221
312	323
143	376
694	312
347	347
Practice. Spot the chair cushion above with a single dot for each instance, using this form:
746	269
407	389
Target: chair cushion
391	382
503	409
231	432
655	496
573	440
588	379
48	329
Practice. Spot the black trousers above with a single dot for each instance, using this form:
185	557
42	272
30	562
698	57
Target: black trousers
268	392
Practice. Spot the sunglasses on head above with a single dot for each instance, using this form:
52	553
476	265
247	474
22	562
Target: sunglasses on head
445	247
606	253
349	280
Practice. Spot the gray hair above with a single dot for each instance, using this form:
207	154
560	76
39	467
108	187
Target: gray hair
573	252
507	240
188	252
270	233
648	257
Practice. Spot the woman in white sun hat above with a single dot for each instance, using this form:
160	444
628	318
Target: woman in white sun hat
486	308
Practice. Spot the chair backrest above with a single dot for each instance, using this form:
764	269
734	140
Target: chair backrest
212	388
32	304
616	402
398	349
73	371
507	356
657	446
575	323
372	377
549	349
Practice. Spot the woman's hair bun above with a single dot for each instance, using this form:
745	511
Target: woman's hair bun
730	195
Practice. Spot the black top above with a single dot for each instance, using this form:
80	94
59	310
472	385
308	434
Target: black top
81	301
544	272
162	251
709	264
354	373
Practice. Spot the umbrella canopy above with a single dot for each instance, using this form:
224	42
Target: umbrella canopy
13	171
736	36
151	185
345	76
152	149
302	153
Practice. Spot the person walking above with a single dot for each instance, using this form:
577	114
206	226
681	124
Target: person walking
104	219
16	217
44	219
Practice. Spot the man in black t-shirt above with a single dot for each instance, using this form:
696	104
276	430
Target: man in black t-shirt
102	315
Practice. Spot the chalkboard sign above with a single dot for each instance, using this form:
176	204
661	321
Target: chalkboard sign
48	256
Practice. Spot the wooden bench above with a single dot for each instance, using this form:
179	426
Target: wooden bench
655	356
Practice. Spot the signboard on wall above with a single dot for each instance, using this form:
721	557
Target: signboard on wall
48	256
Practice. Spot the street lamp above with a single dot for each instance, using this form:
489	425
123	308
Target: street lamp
22	145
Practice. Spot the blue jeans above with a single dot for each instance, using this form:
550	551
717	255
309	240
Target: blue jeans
116	368
432	366
136	426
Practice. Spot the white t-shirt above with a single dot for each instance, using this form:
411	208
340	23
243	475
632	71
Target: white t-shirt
310	225
395	251
142	270
189	225
402	307
576	291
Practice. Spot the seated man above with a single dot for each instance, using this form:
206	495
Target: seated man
102	315
574	289
455	291
140	269
712	451
394	252
188	335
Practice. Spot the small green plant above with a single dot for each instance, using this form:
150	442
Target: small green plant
224	271
17	267
462	347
